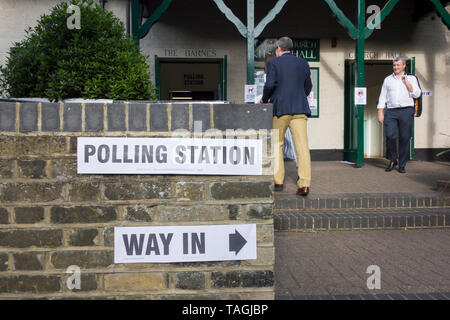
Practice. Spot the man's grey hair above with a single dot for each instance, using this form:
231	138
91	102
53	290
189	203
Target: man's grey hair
285	44
400	58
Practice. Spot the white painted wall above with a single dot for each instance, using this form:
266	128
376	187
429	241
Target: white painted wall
185	26
15	17
200	25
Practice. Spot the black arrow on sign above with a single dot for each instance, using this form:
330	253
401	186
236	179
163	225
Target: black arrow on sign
237	242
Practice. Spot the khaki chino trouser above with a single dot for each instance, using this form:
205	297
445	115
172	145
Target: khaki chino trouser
297	124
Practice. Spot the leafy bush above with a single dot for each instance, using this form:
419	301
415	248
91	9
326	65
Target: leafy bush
97	61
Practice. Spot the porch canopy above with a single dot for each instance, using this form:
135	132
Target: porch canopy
146	13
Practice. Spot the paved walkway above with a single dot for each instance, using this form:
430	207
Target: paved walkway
334	177
333	264
414	263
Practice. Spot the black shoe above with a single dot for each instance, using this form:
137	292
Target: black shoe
278	187
401	169
391	166
302	191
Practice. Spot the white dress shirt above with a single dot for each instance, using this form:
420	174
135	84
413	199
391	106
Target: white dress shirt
395	94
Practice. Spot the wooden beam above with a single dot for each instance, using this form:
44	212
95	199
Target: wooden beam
442	12
269	17
343	20
140	31
360	80
231	17
135	20
250	41
145	28
249	31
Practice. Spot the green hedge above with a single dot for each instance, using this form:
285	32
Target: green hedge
98	61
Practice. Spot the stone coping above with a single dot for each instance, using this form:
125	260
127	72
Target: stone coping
17	116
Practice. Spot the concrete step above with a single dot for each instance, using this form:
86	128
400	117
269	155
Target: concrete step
360	201
367	219
379	296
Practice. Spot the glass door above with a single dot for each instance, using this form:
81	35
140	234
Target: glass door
411	68
223	79
157	78
350	120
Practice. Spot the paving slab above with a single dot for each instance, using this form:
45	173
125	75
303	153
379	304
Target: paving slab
332	177
414	264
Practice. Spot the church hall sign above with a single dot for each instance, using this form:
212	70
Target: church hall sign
196	156
164	244
308	49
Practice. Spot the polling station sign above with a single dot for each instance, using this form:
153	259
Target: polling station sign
161	244
196	156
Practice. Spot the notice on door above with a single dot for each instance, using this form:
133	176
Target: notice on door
163	244
360	96
250	93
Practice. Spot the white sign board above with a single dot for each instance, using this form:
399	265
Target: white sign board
313	97
427	93
102	155
360	96
250	93
184	243
311	101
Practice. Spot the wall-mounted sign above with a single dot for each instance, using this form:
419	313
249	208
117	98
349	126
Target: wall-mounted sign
308	49
250	93
313	98
360	96
194	78
196	53
376	55
184	243
169	156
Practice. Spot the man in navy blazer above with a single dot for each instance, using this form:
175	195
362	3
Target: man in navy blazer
288	83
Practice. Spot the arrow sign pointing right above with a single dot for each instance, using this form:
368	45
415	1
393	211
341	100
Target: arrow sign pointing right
237	242
168	244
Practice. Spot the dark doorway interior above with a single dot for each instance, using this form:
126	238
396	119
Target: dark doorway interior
191	79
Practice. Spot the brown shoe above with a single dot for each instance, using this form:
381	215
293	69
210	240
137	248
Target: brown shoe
303	191
278	187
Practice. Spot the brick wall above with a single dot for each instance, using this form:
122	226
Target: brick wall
52	218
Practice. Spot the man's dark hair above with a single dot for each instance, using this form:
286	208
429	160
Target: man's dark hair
285	44
400	58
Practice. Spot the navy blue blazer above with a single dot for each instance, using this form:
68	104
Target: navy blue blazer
288	83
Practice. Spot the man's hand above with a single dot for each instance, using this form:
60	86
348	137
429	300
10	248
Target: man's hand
407	84
260	101
380	116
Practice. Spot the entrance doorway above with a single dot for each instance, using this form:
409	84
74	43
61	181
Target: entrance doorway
374	137
190	79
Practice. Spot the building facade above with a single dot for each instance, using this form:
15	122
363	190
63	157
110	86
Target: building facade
194	51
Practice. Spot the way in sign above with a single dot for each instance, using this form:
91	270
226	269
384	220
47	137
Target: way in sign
135	247
184	243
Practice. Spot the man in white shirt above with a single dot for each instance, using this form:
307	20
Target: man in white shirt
397	96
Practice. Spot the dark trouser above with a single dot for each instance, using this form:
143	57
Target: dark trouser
401	118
